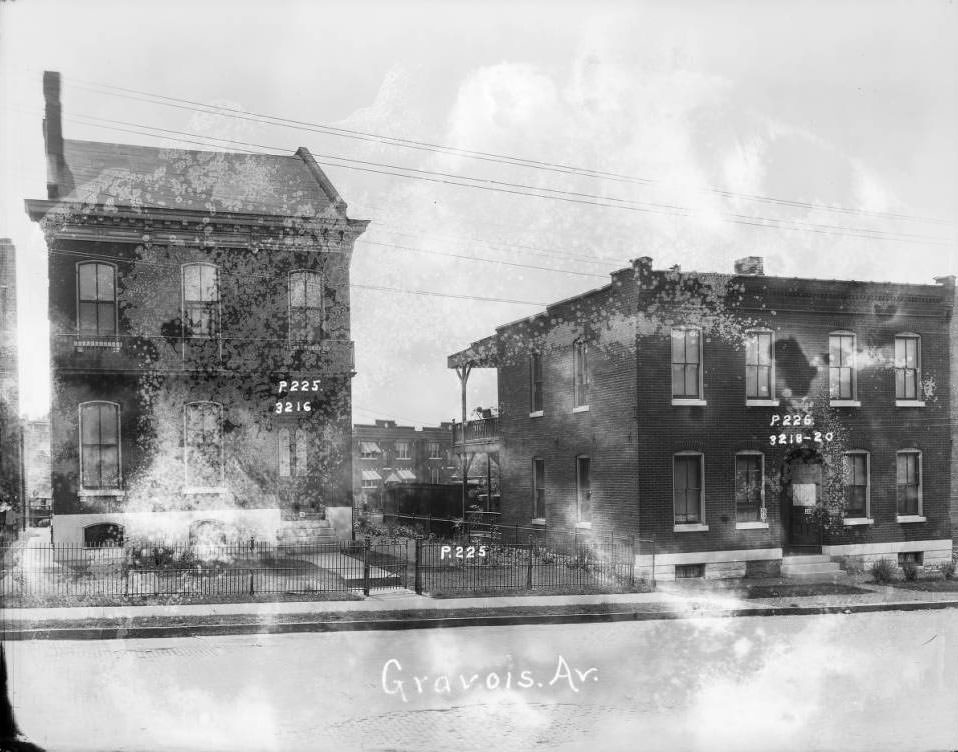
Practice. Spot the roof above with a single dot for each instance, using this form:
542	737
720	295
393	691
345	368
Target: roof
207	181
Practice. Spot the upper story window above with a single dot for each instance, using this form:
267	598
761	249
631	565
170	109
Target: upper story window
369	450
841	366
99	446
201	298
538	488
759	365
203	444
907	366
686	363
96	299
292	453
581	374
749	486
305	306
434	450
856	484
909	482
583	474
402	450
687	488
4	297
535	383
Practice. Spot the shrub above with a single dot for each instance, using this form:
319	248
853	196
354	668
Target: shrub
948	570
883	571
910	570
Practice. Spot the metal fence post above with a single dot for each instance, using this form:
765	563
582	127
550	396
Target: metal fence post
366	544
653	561
417	581
529	568
632	562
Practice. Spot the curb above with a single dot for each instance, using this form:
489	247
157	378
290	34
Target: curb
446	622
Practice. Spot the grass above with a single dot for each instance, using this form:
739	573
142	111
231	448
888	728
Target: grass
928	586
179	599
802	590
639	587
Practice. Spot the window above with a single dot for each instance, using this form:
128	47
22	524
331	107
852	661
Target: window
200	301
402	450
292	453
305	306
96	299
907	366
435	475
103	535
759	376
749	480
841	366
99	445
687	488
203	442
909	482
856	484
535	383
435	453
583	474
914	557
689	571
581	376
369	450
538	488
4	297
686	363
371	479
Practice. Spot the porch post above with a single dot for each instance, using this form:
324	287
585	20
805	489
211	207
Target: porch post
463	373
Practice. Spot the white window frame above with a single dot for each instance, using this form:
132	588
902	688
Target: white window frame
116	296
759	524
219	316
853	401
435	450
702	524
289	306
771	400
402	451
686	400
866	519
920	517
83	490
187	488
918	401
580	351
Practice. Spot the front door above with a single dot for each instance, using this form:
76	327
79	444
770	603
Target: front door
803	494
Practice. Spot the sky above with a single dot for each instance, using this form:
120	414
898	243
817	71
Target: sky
821	137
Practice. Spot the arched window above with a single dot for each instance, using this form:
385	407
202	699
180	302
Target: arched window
305	307
856	482
909	477
99	446
96	299
581	374
201	312
749	486
103	535
203	444
688	488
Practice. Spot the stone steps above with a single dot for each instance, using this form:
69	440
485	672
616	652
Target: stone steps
817	566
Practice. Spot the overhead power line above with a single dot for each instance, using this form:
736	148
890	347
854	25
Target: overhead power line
196	106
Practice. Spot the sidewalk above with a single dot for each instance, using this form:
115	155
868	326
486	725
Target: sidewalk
402	609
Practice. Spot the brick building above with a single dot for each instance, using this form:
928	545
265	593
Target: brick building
200	340
740	419
384	453
10	481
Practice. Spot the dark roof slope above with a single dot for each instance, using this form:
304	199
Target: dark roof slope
151	177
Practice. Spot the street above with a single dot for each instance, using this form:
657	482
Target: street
885	680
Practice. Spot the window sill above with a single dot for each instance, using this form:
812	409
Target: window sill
96	344
205	490
858	521
539	522
680	402
761	403
903	518
583	526
581	409
536	414
690	528
753	525
909	403
101	492
844	403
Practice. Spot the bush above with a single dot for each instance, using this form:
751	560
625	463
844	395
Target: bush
883	571
948	570
910	570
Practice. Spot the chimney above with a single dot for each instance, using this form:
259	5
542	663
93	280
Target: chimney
53	136
948	281
750	266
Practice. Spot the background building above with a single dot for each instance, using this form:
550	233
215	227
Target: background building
200	340
36	469
10	478
385	453
738	418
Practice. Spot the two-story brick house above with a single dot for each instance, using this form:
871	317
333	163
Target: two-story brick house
739	419
384	452
200	339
